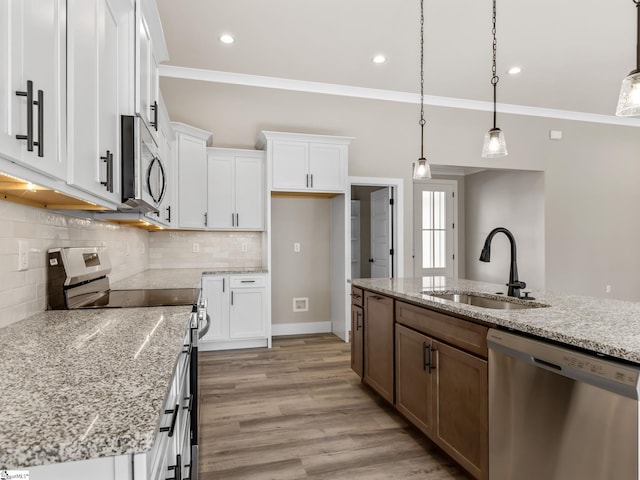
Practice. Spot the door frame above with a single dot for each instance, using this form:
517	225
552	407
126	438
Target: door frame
398	238
417	221
397	214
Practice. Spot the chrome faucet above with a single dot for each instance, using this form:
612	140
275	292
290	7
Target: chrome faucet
514	284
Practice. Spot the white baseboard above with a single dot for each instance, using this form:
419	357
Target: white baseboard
280	329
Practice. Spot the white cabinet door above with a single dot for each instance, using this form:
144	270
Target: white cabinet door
290	165
326	167
221	191
192	182
34	47
146	75
247	317
249	193
215	289
95	27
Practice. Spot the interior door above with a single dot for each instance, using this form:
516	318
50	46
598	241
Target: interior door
381	257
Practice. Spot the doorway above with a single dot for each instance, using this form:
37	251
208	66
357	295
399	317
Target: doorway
376	235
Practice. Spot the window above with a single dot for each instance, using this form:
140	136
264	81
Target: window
434	207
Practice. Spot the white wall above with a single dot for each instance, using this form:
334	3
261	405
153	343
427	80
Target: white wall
592	221
304	274
514	200
23	294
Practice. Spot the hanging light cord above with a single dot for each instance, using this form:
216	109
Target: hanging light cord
637	4
494	78
422	120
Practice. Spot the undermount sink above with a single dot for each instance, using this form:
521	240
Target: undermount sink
485	302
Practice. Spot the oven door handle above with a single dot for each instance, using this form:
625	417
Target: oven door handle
203	331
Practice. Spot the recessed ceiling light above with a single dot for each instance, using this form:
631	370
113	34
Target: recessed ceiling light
226	38
379	59
514	70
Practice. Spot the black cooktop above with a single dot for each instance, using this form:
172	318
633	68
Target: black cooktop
143	298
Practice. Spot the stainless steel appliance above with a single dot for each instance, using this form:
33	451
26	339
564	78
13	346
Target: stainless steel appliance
556	413
78	278
144	179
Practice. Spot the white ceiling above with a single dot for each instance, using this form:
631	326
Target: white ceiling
574	53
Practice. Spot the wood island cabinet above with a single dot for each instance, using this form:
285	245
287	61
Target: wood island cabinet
378	344
440	387
357	331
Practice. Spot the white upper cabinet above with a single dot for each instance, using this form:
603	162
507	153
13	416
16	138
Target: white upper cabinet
236	189
33	84
306	163
151	49
191	155
95	98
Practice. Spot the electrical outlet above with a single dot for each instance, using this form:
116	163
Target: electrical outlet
244	248
195	248
608	289
23	255
296	247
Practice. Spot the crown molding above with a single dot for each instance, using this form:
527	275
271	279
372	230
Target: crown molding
247	80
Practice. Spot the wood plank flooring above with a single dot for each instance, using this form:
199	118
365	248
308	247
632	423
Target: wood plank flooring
297	411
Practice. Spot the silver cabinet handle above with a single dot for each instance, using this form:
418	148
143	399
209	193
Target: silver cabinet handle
205	219
237	219
312	180
307	180
233	220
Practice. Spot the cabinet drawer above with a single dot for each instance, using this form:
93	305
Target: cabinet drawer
467	335
246	281
357	296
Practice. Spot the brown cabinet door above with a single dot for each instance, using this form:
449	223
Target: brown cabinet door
413	378
378	344
357	335
461	408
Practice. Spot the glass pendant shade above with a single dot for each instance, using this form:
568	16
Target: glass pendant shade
629	100
421	169
494	144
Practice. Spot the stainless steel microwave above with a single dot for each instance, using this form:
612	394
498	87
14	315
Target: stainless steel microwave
144	180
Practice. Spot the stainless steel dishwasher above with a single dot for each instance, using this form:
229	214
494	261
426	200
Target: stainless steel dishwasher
559	414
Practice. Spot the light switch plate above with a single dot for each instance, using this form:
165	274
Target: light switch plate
23	255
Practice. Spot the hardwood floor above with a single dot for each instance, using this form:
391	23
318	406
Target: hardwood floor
297	411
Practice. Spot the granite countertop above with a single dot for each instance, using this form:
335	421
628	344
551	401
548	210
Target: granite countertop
176	277
82	384
609	327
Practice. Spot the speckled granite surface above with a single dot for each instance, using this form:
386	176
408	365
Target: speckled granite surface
610	327
85	383
175	277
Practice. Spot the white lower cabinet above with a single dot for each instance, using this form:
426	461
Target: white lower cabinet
238	307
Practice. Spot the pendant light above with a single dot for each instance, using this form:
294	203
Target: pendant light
629	100
494	143
421	169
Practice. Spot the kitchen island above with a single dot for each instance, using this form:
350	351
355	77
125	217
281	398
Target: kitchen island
429	356
603	326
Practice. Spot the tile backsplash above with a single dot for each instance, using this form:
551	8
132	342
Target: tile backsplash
131	250
205	249
23	293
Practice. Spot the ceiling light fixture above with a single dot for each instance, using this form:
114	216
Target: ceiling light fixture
226	38
514	70
421	169
494	143
379	59
629	99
